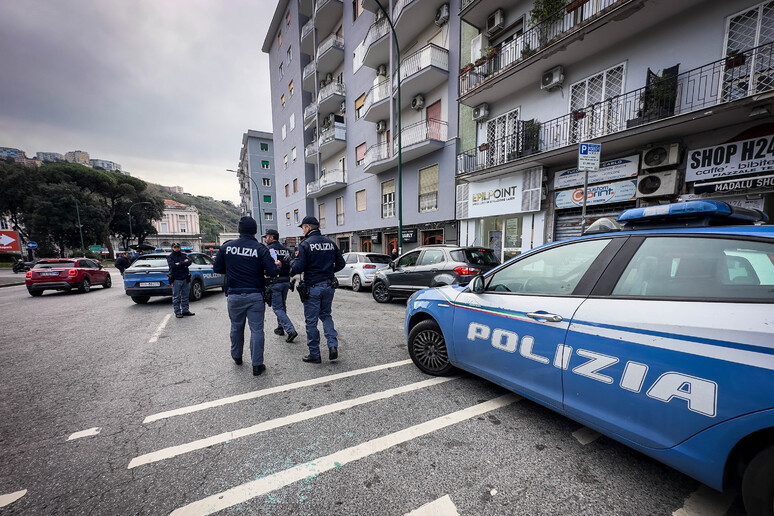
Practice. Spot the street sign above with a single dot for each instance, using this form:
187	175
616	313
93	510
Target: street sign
95	248
588	156
9	241
32	245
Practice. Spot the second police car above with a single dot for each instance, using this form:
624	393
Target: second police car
660	336
147	277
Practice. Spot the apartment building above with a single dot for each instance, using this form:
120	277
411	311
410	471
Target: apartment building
105	165
678	94
50	156
256	174
77	156
336	112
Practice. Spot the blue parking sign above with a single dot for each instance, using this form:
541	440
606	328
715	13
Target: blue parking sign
588	156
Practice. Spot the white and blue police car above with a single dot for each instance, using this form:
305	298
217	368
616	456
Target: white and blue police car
148	276
659	335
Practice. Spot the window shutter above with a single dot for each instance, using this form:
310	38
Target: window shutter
463	191
428	180
360	152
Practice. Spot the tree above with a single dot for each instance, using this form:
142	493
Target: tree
17	183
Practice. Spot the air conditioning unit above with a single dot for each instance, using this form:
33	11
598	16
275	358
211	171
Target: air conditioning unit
381	70
657	184
381	126
331	119
495	22
329	78
661	156
552	78
477	46
480	112
442	15
418	102
322	84
343	108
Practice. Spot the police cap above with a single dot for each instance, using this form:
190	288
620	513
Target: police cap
312	221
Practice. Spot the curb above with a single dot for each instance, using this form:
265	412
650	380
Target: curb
11	284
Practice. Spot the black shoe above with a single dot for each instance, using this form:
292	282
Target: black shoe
238	361
279	331
258	369
188	314
333	353
291	336
179	316
312	360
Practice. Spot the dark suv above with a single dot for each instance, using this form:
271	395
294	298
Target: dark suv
431	266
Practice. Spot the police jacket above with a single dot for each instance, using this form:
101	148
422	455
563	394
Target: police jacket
318	258
245	262
178	265
283	255
122	263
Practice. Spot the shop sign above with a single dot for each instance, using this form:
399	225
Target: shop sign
607	193
731	159
409	236
376	238
505	195
735	184
608	171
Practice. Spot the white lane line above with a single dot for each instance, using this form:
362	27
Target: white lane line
158	331
85	433
271	390
174	451
308	470
441	507
586	435
705	502
8	499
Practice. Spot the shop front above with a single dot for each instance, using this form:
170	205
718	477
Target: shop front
386	239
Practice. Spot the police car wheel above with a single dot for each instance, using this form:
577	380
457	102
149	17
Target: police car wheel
356	285
758	484
197	291
140	300
427	349
85	286
108	282
380	293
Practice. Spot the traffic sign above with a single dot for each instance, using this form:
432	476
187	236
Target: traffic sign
32	245
588	156
95	248
9	241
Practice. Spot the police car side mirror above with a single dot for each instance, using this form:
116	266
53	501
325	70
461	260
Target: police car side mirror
477	284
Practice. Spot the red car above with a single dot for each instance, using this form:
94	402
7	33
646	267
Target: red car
66	274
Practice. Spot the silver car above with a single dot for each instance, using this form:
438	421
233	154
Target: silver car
360	269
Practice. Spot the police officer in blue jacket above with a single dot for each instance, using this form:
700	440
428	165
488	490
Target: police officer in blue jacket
318	258
280	285
245	262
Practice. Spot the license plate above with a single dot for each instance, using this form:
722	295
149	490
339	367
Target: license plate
49	274
150	284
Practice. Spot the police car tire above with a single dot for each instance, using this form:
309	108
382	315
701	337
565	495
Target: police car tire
108	282
357	286
427	349
140	300
197	290
758	484
85	286
380	293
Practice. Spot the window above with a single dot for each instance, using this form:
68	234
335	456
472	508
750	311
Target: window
290	55
746	30
321	215
295	185
267	199
265	147
339	211
284	131
281	71
360	152
164	227
431	257
359	102
360	200
428	189
287	218
597	98
266	181
295	216
285	161
408	260
350	258
287	190
181	220
357	9
292	121
265	164
388	199
282	100
293	154
290	89
287	18
279	38
268	215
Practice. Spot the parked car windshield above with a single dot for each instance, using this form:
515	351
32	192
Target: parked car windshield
378	258
150	261
475	256
45	264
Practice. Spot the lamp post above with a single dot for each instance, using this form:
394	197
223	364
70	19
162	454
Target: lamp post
131	235
258	193
80	226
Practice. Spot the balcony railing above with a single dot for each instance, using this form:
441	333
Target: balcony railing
530	42
332	41
307	28
377	30
310	69
732	78
419	132
377	93
431	55
334	88
311	149
329	177
337	132
377	152
400	5
465	3
310	111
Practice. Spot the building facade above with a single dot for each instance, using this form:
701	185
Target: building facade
77	156
179	223
256	174
105	164
51	157
19	156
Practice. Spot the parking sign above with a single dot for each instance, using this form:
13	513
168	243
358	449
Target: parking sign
588	156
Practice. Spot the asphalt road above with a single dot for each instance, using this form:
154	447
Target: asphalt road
109	407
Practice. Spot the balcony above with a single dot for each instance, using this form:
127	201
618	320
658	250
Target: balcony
330	97
330	54
410	18
377	102
310	114
561	39
330	181
327	15
716	95
333	138
306	7
378	158
417	140
310	77
310	153
421	72
307	38
375	47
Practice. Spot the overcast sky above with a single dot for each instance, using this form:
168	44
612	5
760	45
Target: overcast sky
166	88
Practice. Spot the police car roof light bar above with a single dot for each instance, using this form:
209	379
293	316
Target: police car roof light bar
701	213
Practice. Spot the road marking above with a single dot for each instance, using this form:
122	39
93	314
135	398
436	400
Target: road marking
705	502
441	507
174	451
271	390
308	470
84	433
586	435
158	331
8	499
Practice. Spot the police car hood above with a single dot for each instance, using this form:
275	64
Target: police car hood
447	293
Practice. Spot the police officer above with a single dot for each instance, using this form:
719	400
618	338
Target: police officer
178	263
245	262
318	258
280	286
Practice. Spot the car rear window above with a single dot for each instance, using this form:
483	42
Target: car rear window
53	264
475	256
377	258
151	261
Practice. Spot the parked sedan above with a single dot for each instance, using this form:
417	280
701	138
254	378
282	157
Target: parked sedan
148	276
360	269
66	274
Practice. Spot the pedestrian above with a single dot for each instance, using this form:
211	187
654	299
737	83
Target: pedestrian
280	285
246	262
394	253
180	279
122	262
318	258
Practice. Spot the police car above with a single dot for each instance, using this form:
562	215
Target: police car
660	335
148	276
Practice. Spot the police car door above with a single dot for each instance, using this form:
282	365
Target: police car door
513	332
211	278
675	338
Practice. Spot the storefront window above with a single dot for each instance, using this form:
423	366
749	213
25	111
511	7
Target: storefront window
512	244
492	234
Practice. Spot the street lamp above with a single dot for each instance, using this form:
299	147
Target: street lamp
258	192
80	226
131	234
